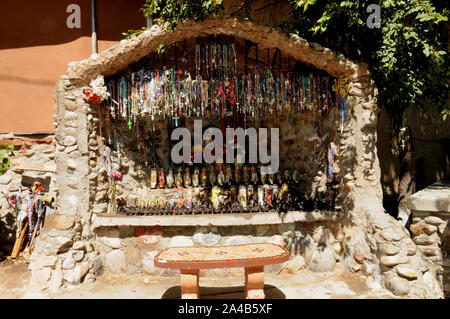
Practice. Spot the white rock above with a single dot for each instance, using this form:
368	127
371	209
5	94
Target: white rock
323	236
399	286
56	281
78	273
148	264
433	284
70	116
73	200
321	259
206	239
406	272
115	261
78	255
40	261
5	179
296	264
70	140
423	240
39	279
389	249
71	164
238	240
70	149
433	220
392	234
112	239
64	243
79	245
394	260
180	241
276	239
68	263
338	248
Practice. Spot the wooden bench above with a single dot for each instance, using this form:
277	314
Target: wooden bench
253	257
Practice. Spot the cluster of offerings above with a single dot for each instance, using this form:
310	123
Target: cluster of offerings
229	190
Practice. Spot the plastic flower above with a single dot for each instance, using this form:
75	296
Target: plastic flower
99	91
116	174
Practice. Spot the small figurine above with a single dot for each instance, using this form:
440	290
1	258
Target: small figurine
233	194
237	175
215	193
261	195
271	179
268	195
220	178
243	196
153	178
296	176
189	197
161	178
195	178
275	193
250	195
286	176
263	175
254	175
187	177
181	200
179	178
279	178
229	175
170	179
204	176
246	175
212	177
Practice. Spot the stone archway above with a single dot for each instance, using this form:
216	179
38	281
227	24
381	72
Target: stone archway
368	232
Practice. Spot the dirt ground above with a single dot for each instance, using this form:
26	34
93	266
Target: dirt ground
14	278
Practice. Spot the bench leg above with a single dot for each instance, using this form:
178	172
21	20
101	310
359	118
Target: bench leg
254	283
189	283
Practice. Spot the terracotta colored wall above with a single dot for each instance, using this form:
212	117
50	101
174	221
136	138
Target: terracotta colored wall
36	45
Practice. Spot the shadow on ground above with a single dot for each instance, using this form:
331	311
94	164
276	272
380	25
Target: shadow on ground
270	291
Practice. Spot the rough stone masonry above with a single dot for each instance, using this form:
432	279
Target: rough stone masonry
70	250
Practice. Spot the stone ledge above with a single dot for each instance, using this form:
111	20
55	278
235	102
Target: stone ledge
434	198
216	220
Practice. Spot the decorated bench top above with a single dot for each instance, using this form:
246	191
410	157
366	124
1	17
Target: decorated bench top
250	255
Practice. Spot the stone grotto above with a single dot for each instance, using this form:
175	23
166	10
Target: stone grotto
109	162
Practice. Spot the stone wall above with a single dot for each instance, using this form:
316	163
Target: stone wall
430	209
369	240
132	249
27	149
